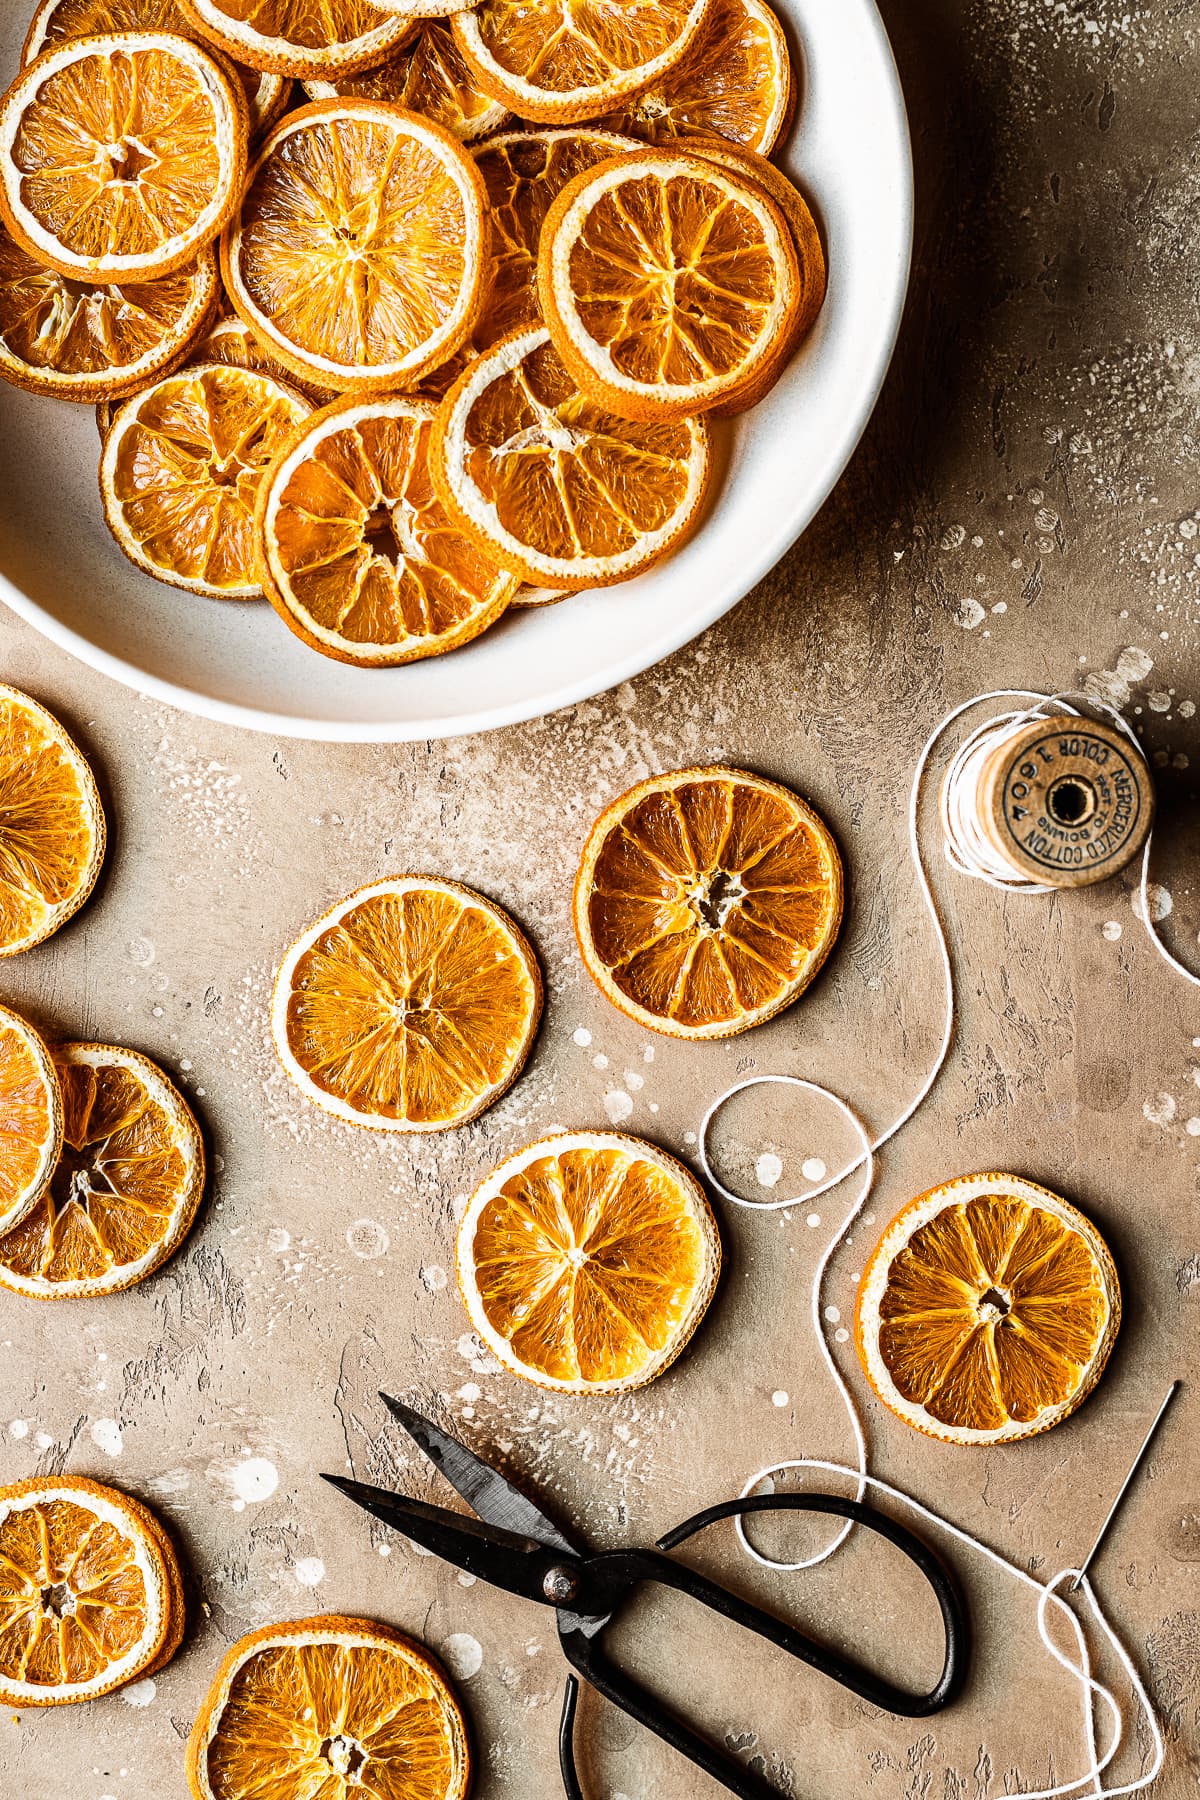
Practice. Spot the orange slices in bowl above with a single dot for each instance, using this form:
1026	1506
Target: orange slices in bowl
706	901
987	1311
360	251
122	156
329	1707
357	553
305	38
411	1005
587	1261
428	76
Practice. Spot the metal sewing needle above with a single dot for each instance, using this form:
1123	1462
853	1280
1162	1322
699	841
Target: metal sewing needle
1138	1460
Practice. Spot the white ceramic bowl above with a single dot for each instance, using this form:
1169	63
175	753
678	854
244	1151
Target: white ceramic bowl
237	662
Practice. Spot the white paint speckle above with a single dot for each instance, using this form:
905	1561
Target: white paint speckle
813	1169
1160	1110
768	1169
600	1062
1111	930
618	1105
833	1314
106	1435
253	1480
841	1335
968	613
434	1278
813	1220
582	1036
779	1398
367	1239
142	952
139	1693
634	1081
1161	903
470	1391
44	1441
310	1571
279	1240
1193	1127
462	1655
19	1428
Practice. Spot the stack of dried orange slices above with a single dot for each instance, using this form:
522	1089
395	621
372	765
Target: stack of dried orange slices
401	312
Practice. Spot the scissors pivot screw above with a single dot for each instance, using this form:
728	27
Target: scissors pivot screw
560	1586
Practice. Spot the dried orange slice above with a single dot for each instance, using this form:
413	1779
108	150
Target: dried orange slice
31	1118
180	472
667	282
52	829
706	901
360	253
305	38
527	596
587	1261
524	172
735	80
357	554
125	1191
85	341
411	1005
230	341
987	1310
266	95
121	156
556	62
329	1707
810	259
87	1595
558	490
428	76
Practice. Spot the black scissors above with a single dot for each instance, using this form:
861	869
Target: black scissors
513	1545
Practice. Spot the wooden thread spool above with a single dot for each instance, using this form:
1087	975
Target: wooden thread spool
1063	801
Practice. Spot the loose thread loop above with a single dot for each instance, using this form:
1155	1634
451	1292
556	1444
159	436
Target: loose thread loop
966	851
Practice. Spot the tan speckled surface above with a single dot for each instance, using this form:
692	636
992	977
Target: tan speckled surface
1024	510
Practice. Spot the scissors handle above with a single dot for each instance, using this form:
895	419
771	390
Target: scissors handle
612	1576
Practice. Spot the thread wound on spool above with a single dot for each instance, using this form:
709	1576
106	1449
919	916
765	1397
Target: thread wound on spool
1061	801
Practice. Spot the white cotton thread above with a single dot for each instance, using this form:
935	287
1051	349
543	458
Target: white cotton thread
960	852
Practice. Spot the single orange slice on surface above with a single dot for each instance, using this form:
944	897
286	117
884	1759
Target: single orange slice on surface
556	62
428	76
52	829
810	260
88	1591
987	1310
323	38
121	156
667	282
735	80
410	1006
361	250
587	1261
31	1118
180	471
318	1709
88	341
524	172
557	489
357	553
54	20
126	1187
706	901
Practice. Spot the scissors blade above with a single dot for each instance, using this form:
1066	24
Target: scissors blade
505	1559
483	1488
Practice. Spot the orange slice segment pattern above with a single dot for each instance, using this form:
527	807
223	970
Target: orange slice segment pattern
558	489
666	282
990	1315
361	246
525	171
126	1187
553	61
588	1266
706	901
359	556
410	1008
429	77
121	156
735	81
305	38
52	828
30	1118
85	1591
180	473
